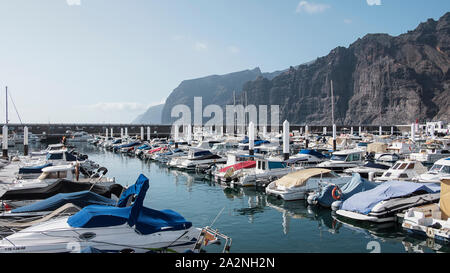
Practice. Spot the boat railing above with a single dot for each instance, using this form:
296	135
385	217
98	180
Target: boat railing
205	237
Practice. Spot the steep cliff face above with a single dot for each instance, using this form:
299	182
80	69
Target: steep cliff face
215	89
378	78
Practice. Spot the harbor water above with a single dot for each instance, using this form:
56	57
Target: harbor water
256	222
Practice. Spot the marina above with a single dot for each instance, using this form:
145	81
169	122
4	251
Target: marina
256	220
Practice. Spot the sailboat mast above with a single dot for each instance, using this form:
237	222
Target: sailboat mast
332	103
6	104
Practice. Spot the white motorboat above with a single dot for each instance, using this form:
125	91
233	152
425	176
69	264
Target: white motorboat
439	170
344	159
369	170
167	156
19	138
266	170
431	151
200	157
403	170
76	137
308	157
51	147
69	172
296	185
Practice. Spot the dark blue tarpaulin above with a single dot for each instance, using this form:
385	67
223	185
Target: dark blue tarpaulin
145	220
355	185
80	199
33	169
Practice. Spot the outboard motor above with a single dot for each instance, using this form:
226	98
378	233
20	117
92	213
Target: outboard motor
99	173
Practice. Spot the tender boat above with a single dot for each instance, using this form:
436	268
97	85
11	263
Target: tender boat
296	185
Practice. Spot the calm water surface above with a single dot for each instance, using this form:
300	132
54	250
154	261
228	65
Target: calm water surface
254	221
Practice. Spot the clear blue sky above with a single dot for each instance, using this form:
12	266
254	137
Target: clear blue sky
108	60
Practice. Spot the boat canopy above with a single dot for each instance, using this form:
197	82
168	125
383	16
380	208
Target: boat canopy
444	202
60	186
80	199
312	152
375	165
240	165
145	146
377	147
299	178
59	156
34	169
144	220
363	202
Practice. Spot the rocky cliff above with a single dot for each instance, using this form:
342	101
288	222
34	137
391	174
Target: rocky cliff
214	89
377	79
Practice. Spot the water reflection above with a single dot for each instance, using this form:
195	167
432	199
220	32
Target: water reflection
318	229
255	200
301	210
392	231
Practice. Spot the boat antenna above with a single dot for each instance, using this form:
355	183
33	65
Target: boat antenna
6	105
217	216
332	103
14	107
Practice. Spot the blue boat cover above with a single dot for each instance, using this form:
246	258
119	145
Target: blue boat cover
145	146
312	152
363	202
144	220
80	199
355	185
33	169
370	164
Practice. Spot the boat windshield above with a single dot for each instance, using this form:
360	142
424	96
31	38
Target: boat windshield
445	169
435	168
338	157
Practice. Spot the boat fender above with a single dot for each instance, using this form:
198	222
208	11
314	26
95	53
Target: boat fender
333	193
430	232
336	205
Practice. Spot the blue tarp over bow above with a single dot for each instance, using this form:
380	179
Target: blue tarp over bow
355	185
363	202
33	169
